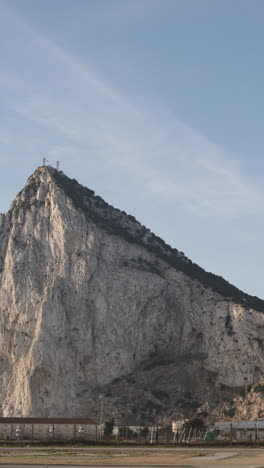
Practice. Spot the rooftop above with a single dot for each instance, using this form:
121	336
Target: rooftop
18	420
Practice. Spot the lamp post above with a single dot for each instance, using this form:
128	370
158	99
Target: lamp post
101	414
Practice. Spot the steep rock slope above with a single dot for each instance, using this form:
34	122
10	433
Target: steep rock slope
92	302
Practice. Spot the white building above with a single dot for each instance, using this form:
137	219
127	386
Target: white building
241	430
57	429
177	425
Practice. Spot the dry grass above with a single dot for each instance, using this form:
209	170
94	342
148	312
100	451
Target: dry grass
108	457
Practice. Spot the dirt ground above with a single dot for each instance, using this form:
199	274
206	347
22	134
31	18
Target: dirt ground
252	458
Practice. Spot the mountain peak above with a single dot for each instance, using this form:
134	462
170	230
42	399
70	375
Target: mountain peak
44	171
91	302
117	222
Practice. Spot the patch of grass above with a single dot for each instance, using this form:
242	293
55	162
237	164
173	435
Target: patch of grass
199	454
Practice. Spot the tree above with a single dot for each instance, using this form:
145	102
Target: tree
108	427
144	432
125	432
195	423
166	432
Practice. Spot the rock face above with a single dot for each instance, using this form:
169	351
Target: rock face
92	302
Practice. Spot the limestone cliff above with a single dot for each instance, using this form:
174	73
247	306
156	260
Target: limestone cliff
92	302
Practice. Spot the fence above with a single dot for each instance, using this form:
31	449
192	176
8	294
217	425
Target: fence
220	433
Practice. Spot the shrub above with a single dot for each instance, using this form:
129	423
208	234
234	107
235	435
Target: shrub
144	432
258	388
108	427
196	423
230	412
160	394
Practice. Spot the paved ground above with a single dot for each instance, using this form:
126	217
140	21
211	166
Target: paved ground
126	457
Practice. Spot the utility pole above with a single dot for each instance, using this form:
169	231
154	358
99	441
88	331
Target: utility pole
101	414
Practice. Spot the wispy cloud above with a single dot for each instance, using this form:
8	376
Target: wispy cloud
124	12
85	113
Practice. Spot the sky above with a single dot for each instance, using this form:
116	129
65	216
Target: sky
157	105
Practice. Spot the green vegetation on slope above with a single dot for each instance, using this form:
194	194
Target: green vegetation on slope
119	223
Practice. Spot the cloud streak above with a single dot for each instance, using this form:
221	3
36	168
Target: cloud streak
81	112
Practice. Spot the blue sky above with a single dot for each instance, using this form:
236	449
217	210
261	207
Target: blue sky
157	105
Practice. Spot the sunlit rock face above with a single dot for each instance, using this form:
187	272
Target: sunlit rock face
91	303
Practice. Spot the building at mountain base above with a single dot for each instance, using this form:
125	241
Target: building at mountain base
48	429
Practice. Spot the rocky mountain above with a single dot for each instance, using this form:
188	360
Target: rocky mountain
92	302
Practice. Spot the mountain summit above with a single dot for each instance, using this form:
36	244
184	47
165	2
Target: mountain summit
93	302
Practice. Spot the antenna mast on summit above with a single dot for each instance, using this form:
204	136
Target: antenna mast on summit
58	165
44	161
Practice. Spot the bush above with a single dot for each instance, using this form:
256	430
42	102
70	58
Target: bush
159	394
144	432
230	412
258	388
108	427
195	423
126	433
